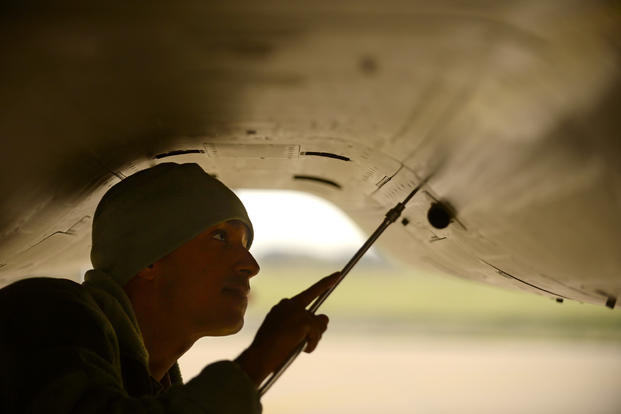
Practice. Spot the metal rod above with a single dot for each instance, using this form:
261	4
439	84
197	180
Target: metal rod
392	216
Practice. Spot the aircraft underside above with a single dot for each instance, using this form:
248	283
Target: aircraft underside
512	109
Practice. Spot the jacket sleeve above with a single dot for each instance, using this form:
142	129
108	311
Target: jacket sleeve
60	355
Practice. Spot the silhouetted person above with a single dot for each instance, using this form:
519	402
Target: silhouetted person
170	265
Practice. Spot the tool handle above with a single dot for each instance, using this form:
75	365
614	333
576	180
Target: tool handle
392	216
352	262
271	380
317	303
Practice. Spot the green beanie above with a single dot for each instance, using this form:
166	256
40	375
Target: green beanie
153	212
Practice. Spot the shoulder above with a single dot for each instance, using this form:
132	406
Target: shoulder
51	312
43	290
39	283
53	336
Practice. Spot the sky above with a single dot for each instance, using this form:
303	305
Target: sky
299	223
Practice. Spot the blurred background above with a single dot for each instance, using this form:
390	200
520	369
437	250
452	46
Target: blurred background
355	100
403	341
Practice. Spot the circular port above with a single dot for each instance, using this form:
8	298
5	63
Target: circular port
439	216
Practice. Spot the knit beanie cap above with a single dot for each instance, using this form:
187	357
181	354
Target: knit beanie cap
153	212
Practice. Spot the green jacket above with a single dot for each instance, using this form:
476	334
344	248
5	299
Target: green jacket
71	348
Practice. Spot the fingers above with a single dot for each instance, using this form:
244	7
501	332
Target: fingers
306	297
287	325
318	326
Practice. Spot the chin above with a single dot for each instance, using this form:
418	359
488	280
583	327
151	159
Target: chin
229	329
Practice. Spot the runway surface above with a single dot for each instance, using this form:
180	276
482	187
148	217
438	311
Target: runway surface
398	374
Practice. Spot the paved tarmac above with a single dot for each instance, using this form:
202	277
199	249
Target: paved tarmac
390	374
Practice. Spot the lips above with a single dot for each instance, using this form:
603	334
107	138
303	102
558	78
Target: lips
237	291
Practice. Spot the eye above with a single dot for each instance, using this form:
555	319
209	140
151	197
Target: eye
220	235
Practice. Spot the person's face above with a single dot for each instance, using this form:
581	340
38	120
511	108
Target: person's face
205	282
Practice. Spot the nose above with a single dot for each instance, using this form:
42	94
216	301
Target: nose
247	265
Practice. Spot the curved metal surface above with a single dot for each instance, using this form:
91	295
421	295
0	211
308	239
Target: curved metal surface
520	98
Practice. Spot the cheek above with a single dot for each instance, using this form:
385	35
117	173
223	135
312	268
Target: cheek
198	278
206	288
191	289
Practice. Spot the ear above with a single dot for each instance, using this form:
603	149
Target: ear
148	273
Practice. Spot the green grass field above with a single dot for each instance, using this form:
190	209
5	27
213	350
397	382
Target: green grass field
410	302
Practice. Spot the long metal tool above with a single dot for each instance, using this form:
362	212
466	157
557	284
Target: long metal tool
392	216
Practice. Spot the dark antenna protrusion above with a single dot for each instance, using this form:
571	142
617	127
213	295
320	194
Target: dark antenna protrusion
440	215
611	302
